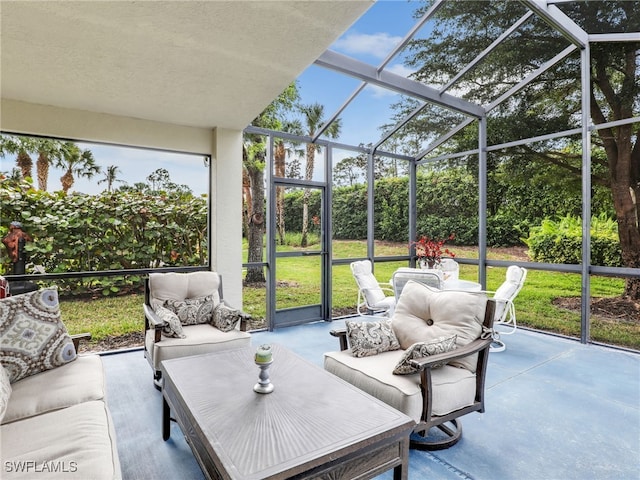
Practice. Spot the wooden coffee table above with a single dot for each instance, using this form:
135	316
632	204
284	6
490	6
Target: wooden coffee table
313	425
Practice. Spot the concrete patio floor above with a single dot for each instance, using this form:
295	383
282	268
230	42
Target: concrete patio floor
555	409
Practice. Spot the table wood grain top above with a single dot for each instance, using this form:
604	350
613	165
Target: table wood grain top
310	416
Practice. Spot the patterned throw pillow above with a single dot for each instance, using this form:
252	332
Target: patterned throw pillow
172	327
371	338
5	391
226	318
192	311
424	349
32	336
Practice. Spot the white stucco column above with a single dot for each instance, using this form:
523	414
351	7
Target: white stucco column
226	212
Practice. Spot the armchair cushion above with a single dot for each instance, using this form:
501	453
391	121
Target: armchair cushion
371	338
199	339
453	388
424	349
226	318
192	311
178	286
32	336
424	314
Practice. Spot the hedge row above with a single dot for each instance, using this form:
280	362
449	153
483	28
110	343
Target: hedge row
124	230
106	232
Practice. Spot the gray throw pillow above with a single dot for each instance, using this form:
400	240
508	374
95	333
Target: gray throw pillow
225	318
192	311
424	349
371	338
32	336
172	326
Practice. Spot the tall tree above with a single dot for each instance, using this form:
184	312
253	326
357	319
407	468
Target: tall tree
552	102
76	163
313	116
254	157
23	148
110	176
282	148
50	152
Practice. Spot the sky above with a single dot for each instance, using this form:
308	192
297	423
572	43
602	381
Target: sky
369	39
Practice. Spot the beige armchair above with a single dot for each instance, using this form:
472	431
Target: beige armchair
184	314
430	362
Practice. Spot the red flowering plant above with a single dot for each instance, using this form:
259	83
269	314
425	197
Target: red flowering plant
429	251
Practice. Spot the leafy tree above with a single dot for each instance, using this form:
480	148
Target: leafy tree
253	158
313	120
353	170
551	103
350	171
110	176
160	181
76	163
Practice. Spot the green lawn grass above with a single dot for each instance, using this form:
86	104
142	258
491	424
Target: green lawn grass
299	279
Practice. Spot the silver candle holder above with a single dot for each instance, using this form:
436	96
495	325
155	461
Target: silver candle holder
264	384
264	359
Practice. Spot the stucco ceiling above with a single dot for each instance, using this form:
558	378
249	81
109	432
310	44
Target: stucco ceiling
202	64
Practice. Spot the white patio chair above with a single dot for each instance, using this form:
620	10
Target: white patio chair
430	277
372	295
450	269
505	314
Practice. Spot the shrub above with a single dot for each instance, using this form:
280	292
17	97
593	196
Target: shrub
561	241
111	231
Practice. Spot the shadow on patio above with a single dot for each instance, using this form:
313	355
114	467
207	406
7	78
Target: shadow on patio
556	409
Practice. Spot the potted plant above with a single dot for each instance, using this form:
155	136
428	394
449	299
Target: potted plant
430	251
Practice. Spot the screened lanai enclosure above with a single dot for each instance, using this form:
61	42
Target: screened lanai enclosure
500	123
507	129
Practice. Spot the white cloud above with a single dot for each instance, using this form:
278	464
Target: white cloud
377	45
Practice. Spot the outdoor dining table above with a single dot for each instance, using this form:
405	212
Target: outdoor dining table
446	283
465	285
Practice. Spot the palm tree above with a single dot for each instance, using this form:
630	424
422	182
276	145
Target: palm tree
282	148
76	163
110	177
22	147
313	115
49	151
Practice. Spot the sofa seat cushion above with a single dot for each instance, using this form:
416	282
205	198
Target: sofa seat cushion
75	442
76	382
5	391
453	387
198	339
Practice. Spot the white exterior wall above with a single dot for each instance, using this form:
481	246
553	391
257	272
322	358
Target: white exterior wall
223	145
226	212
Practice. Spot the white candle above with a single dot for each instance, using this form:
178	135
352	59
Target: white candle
263	354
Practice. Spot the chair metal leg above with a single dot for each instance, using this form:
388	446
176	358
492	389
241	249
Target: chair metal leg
425	441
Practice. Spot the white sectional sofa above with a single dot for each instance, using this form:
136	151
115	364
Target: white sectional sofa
57	425
54	420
